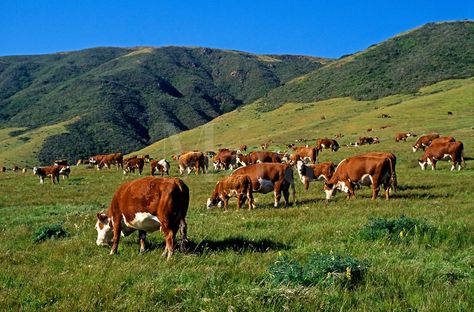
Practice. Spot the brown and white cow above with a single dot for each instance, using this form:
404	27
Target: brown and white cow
225	159
327	143
424	141
365	170
147	205
192	160
448	150
305	153
402	136
367	140
64	171
49	171
267	177
239	186
15	168
314	172
163	166
132	164
264	157
107	160
444	139
24	170
60	162
243	148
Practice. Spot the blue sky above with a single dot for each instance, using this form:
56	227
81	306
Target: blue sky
319	28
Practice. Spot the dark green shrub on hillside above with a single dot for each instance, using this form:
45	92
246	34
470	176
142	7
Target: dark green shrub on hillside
319	269
49	231
397	230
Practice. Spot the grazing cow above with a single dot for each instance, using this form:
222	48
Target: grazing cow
147	205
243	148
3	169
365	170
370	129
163	166
192	160
424	141
327	143
82	162
24	170
15	168
402	136
60	162
264	157
129	158
239	186
384	127
51	171
267	177
132	164
318	172
393	163
225	159
440	151
107	160
368	140
309	153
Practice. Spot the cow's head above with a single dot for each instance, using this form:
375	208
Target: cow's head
423	163
104	229
215	199
301	167
330	190
35	170
414	148
65	170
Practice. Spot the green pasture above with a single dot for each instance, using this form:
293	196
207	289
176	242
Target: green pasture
227	265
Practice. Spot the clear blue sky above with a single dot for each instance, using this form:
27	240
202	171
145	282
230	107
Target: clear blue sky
319	28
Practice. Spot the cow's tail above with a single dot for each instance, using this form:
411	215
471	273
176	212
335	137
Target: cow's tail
461	154
289	178
393	175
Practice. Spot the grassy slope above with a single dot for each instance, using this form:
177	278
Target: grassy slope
229	267
22	149
422	113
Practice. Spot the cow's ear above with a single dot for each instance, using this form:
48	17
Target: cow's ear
101	216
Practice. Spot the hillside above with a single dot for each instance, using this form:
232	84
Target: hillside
423	112
400	65
125	99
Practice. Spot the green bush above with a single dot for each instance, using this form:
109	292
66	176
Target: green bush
396	229
49	231
319	269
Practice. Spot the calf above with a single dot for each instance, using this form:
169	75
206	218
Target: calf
327	143
318	172
225	159
365	170
440	151
424	141
134	163
267	177
50	171
147	205
368	140
402	136
192	160
239	186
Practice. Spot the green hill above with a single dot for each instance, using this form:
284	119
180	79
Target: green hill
400	65
125	99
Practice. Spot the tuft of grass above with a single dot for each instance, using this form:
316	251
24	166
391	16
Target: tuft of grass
319	269
49	231
397	230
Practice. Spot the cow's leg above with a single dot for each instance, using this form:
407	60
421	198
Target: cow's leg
41	180
433	164
117	232
350	189
197	168
53	179
277	192
142	237
169	238
240	199
183	228
387	191
286	194
250	198
306	184
226	202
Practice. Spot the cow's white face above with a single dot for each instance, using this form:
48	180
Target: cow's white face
104	229
330	191
35	170
212	203
414	148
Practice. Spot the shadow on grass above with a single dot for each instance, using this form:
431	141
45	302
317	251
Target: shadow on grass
415	187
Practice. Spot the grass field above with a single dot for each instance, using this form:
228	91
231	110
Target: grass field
227	266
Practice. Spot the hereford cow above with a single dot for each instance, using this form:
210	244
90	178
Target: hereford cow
132	164
225	159
267	177
318	172
24	170
402	136
50	171
424	141
147	205
448	150
365	170
243	148
309	153
15	168
264	157
64	171
239	186
444	139
192	160
327	143
60	162
163	166
368	140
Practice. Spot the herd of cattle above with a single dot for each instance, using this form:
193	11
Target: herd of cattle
152	204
